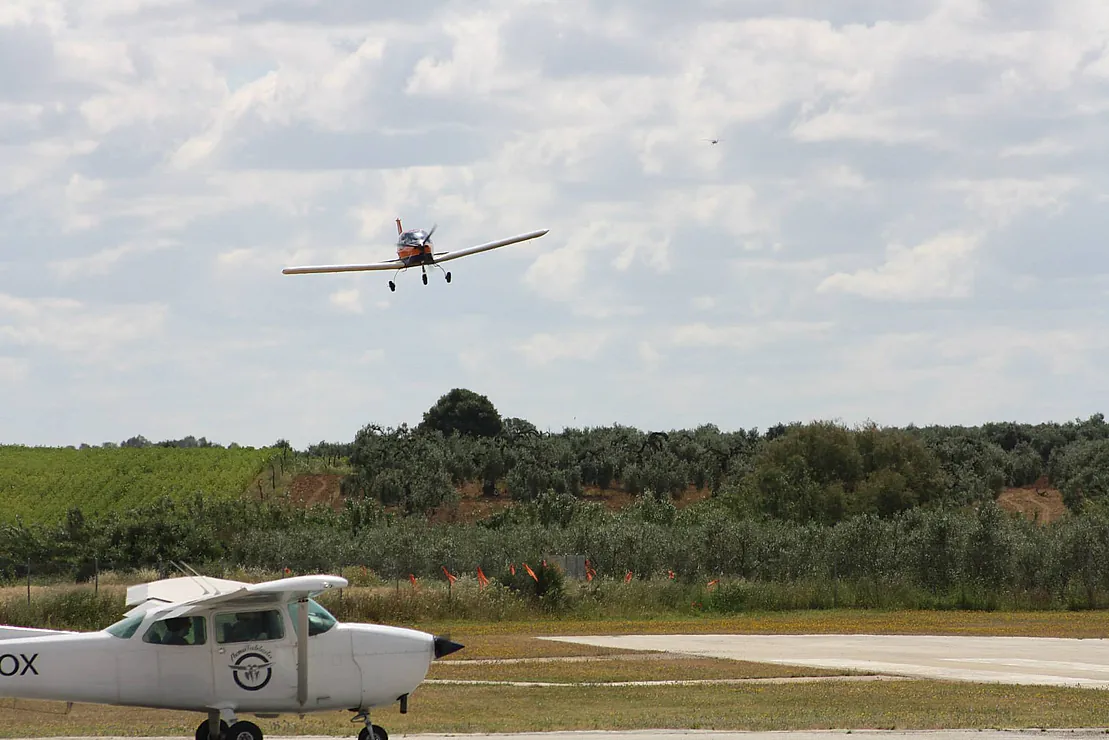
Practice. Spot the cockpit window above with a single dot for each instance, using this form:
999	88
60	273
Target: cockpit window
319	619
125	627
249	626
177	631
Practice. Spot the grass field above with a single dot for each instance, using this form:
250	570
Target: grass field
40	483
761	704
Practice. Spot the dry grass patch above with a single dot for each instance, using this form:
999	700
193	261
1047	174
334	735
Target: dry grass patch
833	621
657	667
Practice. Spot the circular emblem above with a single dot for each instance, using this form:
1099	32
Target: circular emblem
252	671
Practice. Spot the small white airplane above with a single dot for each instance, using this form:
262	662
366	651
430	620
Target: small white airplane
225	648
414	249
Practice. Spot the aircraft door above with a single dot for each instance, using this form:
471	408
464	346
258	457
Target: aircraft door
180	647
254	658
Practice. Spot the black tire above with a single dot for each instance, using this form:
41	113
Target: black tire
243	730
392	286
425	278
448	277
202	731
380	733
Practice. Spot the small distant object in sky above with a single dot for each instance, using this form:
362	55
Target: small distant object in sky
712	141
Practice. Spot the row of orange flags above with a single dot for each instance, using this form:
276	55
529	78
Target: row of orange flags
590	572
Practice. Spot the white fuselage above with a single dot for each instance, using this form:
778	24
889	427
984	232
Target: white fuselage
350	666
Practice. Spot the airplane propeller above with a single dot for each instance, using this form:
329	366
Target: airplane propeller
425	240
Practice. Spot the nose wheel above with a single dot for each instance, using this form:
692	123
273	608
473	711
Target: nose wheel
379	733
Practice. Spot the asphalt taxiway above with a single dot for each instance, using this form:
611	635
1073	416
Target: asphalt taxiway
1018	660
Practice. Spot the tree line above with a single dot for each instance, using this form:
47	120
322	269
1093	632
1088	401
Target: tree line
910	508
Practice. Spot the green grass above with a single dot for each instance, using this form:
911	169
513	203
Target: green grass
453	708
40	483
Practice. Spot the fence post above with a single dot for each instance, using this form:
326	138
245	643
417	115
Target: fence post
28	581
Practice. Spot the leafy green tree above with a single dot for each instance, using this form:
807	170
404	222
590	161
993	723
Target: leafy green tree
463	412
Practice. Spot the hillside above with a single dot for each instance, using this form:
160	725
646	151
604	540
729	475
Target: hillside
39	484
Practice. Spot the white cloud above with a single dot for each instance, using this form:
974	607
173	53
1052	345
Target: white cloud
745	336
70	326
347	301
544	348
13	369
102	262
942	267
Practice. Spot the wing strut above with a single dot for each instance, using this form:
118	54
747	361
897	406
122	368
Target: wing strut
302	651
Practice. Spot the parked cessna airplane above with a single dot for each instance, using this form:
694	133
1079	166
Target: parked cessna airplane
225	648
414	249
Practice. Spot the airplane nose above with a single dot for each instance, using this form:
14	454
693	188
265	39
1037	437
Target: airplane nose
444	646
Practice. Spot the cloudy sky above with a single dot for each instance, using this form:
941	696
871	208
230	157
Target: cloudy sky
904	219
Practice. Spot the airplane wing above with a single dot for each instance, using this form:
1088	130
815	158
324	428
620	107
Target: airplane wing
389	265
281	591
234	593
447	256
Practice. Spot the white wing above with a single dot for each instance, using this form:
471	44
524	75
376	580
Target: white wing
229	593
447	256
390	265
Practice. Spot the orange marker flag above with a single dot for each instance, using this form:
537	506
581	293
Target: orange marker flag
628	577
481	579
448	574
413	579
531	572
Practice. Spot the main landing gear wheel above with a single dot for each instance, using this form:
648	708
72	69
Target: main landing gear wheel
392	286
379	733
243	730
202	731
425	278
448	277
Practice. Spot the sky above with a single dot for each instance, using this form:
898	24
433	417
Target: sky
903	221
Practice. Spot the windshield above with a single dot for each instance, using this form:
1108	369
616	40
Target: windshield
125	627
319	619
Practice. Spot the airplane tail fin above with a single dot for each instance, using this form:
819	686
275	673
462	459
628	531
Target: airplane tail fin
400	229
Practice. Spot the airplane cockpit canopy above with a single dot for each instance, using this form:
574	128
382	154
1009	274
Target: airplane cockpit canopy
413	238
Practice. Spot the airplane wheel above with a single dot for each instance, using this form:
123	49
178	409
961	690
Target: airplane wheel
448	277
202	731
425	278
243	730
379	733
392	286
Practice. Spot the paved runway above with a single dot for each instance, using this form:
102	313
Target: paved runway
1018	660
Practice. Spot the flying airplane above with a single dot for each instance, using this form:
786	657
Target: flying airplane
225	648
415	249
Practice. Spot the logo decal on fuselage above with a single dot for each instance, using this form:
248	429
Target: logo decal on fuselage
12	665
252	668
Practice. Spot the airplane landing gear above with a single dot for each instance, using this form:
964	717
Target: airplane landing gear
448	277
202	732
238	730
424	276
243	730
379	733
392	286
370	731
